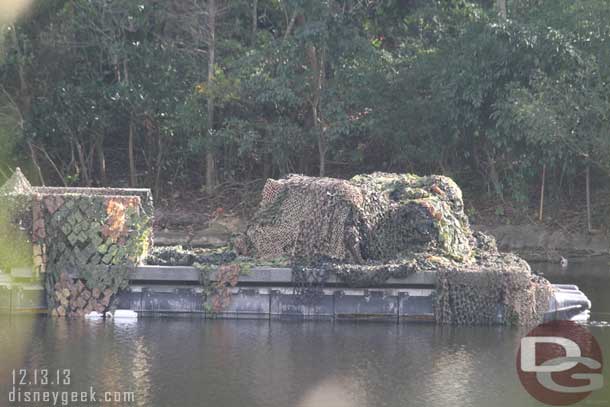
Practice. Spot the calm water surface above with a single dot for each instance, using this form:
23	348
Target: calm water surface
180	363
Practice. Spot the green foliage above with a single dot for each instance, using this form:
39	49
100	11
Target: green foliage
421	86
503	98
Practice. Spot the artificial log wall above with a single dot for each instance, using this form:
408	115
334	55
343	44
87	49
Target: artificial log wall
84	241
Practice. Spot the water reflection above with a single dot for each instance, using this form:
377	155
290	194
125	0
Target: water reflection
336	392
257	363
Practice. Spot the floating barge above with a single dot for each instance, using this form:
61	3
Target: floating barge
97	236
269	293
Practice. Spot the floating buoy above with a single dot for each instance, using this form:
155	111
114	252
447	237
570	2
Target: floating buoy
563	262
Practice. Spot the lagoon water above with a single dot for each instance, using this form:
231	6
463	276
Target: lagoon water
185	363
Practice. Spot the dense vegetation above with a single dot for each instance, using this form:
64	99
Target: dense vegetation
184	94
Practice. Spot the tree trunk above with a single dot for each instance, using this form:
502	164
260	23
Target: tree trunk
316	64
101	159
588	186
495	180
267	168
36	164
291	23
91	162
541	211
82	159
52	163
502	9
492	175
158	165
210	170
24	91
322	153
254	20
133	182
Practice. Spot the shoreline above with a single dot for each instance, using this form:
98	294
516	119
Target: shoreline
538	243
534	243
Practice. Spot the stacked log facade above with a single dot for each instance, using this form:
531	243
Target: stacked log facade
83	242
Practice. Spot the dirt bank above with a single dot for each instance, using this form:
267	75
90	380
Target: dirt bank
533	242
542	243
194	219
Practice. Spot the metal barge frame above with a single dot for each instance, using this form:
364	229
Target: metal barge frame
269	293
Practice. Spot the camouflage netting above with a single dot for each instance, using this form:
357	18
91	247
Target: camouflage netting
85	241
370	217
179	256
485	297
379	226
498	288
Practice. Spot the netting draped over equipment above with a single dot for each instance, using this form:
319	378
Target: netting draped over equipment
374	227
370	217
488	297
